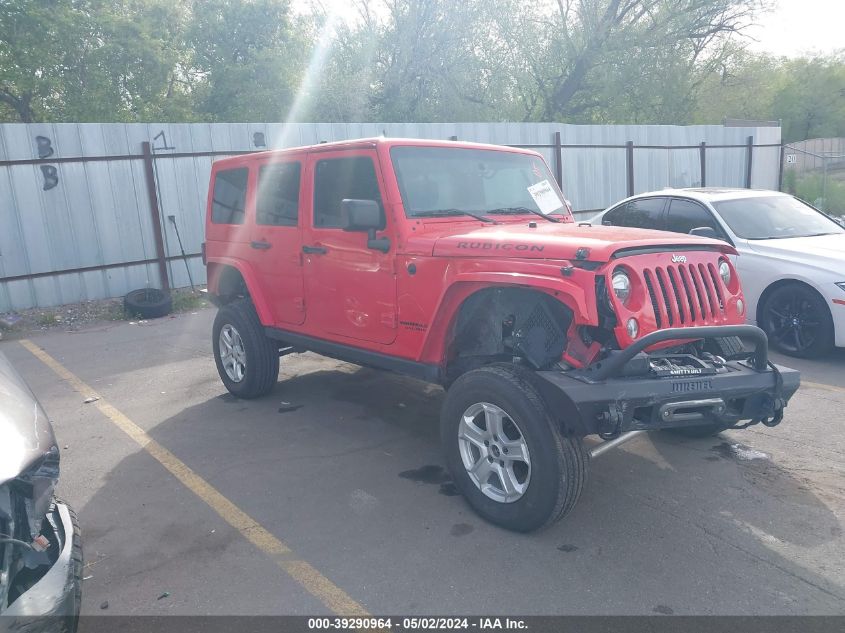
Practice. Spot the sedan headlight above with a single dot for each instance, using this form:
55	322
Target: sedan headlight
621	285
37	486
725	272
841	284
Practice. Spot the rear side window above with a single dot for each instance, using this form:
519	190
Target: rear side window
337	179
277	203
642	214
686	215
229	198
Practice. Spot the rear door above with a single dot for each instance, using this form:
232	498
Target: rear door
643	213
276	240
686	215
350	288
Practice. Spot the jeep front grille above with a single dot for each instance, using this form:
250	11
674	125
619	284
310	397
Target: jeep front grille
687	294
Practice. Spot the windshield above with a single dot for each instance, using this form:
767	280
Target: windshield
454	181
774	217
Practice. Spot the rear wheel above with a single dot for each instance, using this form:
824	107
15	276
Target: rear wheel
505	452
247	361
797	321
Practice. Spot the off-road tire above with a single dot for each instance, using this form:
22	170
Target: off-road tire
148	303
559	463
262	354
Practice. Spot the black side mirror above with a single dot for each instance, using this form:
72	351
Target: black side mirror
704	231
360	215
364	215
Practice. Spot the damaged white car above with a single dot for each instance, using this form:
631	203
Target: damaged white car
40	544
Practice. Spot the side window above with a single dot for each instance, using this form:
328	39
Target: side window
336	179
685	215
642	214
277	202
229	197
615	217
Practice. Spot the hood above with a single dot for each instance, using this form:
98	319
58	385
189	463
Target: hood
822	251
561	241
26	434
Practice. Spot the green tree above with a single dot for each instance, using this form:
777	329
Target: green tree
89	60
246	56
811	100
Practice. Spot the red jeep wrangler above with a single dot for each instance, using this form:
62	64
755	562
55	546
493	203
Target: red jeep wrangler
460	264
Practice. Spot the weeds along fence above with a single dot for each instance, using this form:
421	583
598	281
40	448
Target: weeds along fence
814	170
90	211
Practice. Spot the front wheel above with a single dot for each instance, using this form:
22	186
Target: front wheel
504	450
247	361
797	321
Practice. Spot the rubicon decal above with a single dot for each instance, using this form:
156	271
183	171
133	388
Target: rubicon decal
503	246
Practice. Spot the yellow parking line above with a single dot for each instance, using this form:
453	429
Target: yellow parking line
821	385
302	572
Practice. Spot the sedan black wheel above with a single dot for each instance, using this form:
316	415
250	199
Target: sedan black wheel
797	321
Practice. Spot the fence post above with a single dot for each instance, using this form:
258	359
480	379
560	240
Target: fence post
702	157
629	155
558	161
780	167
149	173
749	147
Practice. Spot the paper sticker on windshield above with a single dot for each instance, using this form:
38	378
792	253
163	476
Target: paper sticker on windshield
546	197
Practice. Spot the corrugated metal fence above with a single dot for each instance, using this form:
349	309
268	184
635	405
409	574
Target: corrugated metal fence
78	217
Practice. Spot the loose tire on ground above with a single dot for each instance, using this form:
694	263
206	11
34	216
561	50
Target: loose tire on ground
257	355
148	303
558	464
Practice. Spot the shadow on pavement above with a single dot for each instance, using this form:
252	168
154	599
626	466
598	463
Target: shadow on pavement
665	524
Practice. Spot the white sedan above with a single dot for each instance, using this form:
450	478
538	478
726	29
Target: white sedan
791	256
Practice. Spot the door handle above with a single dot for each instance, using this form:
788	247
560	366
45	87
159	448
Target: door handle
314	250
262	246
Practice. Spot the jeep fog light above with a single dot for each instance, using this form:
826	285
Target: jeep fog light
740	306
633	327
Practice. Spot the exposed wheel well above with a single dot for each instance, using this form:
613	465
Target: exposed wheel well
498	324
231	285
780	284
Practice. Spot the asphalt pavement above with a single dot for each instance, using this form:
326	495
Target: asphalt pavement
342	466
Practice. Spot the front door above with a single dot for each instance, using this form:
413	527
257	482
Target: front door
277	238
350	288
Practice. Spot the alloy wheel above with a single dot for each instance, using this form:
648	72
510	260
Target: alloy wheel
494	452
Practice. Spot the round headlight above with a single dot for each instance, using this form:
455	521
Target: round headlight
725	272
633	327
621	285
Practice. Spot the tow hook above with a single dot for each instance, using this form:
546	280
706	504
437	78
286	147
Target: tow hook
606	446
612	421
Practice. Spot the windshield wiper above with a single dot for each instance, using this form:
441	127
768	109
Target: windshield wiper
442	213
787	237
515	210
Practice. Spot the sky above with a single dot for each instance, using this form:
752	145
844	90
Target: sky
792	28
800	26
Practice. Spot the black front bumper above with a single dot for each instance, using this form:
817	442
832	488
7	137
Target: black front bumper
622	393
